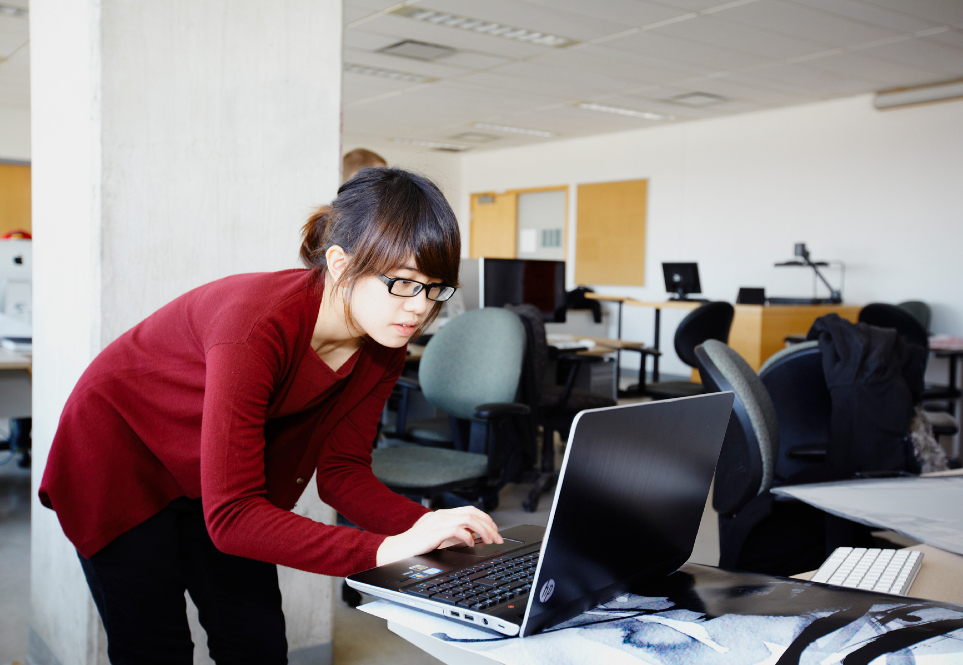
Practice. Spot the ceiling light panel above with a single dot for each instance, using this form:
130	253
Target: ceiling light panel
621	110
435	145
506	129
351	68
484	27
475	137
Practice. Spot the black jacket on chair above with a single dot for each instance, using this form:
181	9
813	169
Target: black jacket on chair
875	377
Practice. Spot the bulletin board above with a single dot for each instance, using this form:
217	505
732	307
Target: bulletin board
14	197
610	235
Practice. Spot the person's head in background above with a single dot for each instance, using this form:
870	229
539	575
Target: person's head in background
358	159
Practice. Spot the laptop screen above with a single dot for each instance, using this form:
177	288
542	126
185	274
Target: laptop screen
636	479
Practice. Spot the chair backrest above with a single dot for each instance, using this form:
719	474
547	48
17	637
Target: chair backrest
476	358
884	315
537	359
710	321
918	309
751	446
796	384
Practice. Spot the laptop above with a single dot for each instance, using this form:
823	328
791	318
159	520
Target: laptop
630	497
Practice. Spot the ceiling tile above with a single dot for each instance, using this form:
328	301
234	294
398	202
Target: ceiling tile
440	68
870	13
793	19
860	65
944	12
372	5
358	87
542	71
922	53
531	17
406	28
818	83
350	14
741	37
694	5
629	12
705	57
952	38
632	67
549	89
359	38
740	90
473	60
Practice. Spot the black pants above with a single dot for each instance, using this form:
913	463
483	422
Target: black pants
138	583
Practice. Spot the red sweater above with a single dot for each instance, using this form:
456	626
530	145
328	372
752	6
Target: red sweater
219	395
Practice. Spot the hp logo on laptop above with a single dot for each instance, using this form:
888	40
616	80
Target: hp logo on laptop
547	590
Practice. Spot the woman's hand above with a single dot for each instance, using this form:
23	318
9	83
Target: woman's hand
440	528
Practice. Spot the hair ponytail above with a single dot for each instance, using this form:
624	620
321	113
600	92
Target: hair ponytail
312	239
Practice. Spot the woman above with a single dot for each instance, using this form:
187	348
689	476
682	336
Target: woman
188	440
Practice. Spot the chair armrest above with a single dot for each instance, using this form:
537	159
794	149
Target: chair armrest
809	453
500	410
408	382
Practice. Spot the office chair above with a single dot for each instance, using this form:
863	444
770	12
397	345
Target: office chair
796	385
883	315
710	321
554	406
919	310
470	370
757	531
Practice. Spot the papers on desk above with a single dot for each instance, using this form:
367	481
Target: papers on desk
924	509
703	615
563	342
946	343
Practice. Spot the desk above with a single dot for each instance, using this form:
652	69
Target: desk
704	615
658	306
758	331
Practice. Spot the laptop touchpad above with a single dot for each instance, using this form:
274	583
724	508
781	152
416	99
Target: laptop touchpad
481	549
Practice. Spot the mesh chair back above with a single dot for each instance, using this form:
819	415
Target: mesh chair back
476	358
751	446
883	315
710	321
919	309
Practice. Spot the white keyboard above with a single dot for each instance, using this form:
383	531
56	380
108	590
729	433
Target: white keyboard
886	571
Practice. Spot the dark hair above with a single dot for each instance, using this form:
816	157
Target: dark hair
382	218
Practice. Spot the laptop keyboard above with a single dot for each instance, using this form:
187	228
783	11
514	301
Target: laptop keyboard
483	585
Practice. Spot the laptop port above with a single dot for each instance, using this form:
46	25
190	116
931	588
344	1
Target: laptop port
485	621
469	617
454	614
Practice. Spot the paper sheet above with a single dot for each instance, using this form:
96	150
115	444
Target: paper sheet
924	509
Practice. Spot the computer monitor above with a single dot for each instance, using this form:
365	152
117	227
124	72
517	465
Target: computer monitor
681	279
16	272
524	281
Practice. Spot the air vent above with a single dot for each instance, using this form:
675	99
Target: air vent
418	50
698	99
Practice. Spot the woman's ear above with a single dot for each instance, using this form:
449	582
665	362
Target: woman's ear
337	261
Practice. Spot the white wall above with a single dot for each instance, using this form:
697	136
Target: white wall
173	143
443	168
14	134
877	190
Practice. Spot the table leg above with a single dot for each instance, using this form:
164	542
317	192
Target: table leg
618	352
655	359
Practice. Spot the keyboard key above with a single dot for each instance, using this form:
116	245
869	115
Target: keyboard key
421	593
445	598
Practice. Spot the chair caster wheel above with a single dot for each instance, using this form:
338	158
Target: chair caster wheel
529	506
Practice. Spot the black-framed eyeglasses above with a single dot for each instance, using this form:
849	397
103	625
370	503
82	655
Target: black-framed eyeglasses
409	288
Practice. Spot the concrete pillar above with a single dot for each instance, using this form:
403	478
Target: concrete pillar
173	143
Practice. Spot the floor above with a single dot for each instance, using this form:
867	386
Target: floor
359	639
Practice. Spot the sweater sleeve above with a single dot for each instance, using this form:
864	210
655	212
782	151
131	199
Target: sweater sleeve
239	517
345	479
